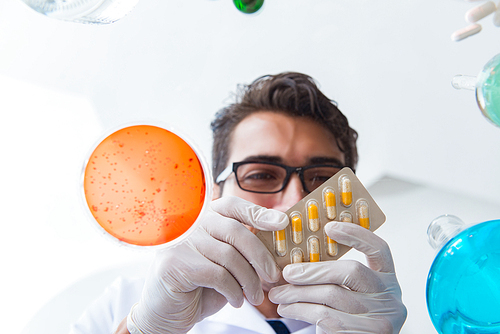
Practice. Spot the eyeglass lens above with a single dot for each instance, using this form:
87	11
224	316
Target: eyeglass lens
259	177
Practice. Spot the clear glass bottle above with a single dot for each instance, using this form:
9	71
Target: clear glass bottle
83	11
463	286
487	87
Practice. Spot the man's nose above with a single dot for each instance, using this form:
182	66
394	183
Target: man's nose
293	192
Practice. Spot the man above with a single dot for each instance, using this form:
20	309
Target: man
279	122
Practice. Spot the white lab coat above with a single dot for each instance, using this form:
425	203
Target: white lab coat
104	315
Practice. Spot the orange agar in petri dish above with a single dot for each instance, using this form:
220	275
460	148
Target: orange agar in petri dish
144	185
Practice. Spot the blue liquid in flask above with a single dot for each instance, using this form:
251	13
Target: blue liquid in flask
463	286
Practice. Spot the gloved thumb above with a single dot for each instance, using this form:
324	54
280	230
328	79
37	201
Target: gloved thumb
250	214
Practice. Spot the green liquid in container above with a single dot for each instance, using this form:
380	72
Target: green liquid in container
488	91
248	6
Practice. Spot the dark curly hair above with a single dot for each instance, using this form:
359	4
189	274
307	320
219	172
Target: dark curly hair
291	93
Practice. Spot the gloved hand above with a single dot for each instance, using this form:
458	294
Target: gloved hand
345	296
220	262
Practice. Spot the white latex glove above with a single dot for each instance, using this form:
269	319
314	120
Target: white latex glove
219	263
345	296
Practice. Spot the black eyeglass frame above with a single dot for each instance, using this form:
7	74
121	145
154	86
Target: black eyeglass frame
289	171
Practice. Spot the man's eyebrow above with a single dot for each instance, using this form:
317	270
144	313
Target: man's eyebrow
278	159
325	160
264	158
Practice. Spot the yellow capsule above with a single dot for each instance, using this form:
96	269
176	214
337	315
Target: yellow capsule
332	247
296	229
330	203
297	255
345	191
280	242
313	246
312	216
346	217
363	214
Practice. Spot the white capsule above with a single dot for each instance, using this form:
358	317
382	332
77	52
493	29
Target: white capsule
297	255
331	246
345	191
362	212
496	18
296	226
312	216
346	217
280	242
330	203
465	32
477	13
314	251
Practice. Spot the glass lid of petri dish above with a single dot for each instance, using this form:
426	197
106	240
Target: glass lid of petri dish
145	185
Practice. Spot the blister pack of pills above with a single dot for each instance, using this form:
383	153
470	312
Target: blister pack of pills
340	198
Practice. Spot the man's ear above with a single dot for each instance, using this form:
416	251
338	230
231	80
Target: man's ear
216	192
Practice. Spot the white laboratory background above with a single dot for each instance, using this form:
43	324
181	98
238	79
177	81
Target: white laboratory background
425	149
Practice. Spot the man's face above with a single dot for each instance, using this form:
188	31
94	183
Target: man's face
293	141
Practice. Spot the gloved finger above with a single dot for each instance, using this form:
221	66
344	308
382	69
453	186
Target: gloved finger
334	321
185	270
349	273
211	302
230	258
331	295
336	297
250	214
238	236
320	331
377	251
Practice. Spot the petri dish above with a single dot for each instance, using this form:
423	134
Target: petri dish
145	186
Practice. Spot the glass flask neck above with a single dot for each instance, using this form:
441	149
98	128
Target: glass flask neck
464	82
442	229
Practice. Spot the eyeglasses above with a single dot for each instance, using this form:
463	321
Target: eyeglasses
271	177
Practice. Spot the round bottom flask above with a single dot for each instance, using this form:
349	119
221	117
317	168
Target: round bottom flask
463	286
487	87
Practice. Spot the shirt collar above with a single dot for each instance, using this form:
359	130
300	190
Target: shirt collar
248	317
